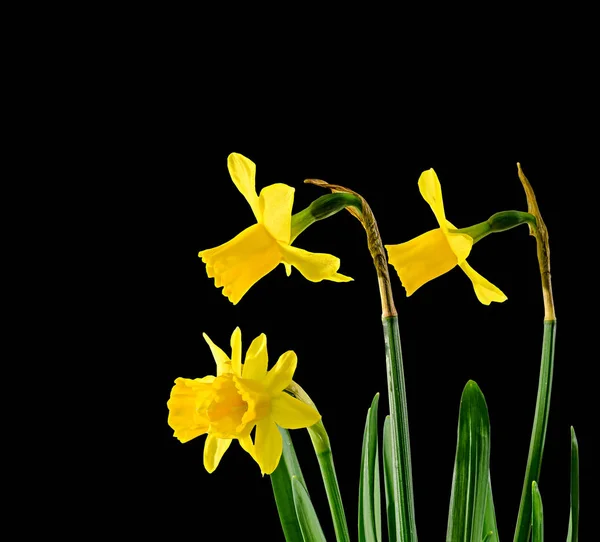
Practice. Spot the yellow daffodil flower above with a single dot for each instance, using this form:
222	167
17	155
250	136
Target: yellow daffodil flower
437	251
243	261
241	397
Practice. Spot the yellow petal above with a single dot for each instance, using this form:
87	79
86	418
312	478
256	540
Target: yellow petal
257	359
185	419
236	351
280	375
245	441
485	291
291	413
214	448
422	259
268	446
243	261
313	266
288	268
243	173
431	190
221	358
276	203
258	401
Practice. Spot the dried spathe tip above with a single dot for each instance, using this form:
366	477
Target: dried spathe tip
540	232
532	206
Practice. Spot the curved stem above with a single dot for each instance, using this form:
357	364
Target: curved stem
538	432
322	447
542	406
403	494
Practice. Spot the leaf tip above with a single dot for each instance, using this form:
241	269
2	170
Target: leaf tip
472	387
574	443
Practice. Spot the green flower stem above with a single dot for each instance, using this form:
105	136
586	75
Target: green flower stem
538	433
406	529
502	221
321	208
403	495
404	509
320	440
542	406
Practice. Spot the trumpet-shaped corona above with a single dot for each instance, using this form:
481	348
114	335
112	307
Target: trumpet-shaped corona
240	398
256	251
438	251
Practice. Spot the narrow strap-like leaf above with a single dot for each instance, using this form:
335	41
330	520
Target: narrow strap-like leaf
377	498
390	504
368	492
538	431
307	517
573	535
471	468
490	529
281	480
537	516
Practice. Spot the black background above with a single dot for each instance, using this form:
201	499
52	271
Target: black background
131	115
189	203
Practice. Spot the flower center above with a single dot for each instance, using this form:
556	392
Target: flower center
227	407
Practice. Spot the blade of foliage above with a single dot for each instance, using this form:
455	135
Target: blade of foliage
369	499
573	535
537	531
281	480
490	529
377	499
387	478
307	517
538	432
471	468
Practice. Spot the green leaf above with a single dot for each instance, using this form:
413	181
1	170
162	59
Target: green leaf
538	431
573	535
388	477
281	480
377	503
369	499
307	517
490	529
537	531
471	468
